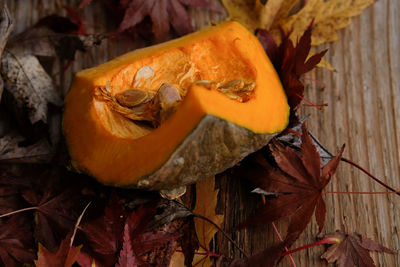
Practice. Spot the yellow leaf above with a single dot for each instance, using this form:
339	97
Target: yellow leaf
326	64
244	11
252	13
329	16
269	12
206	201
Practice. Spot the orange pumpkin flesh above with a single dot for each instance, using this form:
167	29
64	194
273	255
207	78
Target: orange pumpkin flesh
121	152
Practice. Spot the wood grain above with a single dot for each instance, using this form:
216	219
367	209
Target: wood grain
363	97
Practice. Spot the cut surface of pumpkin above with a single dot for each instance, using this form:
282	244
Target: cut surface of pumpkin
170	114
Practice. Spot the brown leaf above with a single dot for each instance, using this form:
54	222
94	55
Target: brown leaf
6	27
53	36
299	182
353	250
29	84
12	151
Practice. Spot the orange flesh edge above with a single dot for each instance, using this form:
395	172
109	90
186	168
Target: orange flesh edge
116	151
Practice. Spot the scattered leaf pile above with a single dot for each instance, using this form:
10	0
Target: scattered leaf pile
51	216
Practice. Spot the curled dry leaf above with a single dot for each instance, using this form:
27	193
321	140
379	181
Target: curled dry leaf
6	26
30	86
11	151
353	250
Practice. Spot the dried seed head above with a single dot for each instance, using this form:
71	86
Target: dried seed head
133	97
144	73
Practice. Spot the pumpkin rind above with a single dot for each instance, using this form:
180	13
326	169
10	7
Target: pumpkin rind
208	133
192	160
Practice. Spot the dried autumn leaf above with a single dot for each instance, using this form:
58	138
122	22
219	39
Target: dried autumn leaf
11	151
206	201
105	234
265	258
6	26
54	36
54	215
252	13
163	13
29	84
126	256
195	248
291	62
353	250
64	257
329	16
66	253
16	242
299	182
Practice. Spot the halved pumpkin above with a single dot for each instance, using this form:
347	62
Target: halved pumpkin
210	131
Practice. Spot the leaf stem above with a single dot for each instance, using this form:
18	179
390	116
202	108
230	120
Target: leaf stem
223	233
370	175
280	238
17	211
321	242
209	253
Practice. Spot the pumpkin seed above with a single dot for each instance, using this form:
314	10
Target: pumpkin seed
173	193
233	85
205	83
134	97
144	73
167	99
237	89
141	105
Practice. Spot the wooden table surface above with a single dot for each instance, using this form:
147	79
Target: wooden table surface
363	98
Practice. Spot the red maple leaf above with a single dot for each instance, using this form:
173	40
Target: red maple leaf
163	13
353	250
16	242
126	256
291	62
105	234
299	182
